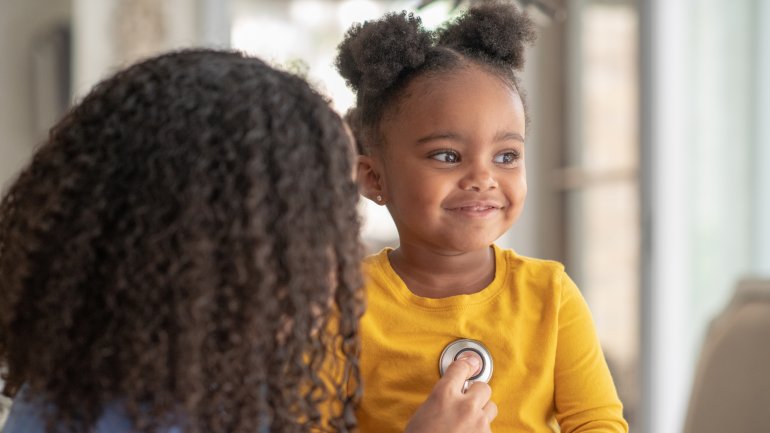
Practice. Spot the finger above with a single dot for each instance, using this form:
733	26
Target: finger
490	410
455	376
479	392
458	372
469	354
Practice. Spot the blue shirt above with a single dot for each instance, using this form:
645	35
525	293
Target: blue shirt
27	417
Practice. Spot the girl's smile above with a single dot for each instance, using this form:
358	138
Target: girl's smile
475	208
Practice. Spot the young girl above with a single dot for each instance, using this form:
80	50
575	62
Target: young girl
441	122
164	268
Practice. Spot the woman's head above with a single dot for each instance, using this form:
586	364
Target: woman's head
440	122
178	243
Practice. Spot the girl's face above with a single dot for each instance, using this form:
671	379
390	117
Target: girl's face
451	170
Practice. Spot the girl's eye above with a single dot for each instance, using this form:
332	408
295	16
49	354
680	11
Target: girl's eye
509	157
448	156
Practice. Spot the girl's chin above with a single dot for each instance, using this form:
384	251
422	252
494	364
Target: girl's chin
476	245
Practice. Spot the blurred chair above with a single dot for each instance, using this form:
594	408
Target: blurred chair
731	390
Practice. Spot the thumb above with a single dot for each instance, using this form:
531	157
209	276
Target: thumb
462	369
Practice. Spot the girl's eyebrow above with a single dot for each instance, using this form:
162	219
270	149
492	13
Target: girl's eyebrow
505	136
439	136
501	136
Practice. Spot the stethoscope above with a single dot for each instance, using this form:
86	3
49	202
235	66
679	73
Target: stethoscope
457	348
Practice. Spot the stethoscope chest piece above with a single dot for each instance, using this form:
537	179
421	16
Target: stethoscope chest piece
457	348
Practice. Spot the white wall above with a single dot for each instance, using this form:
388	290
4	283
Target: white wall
760	224
21	22
706	177
94	49
110	34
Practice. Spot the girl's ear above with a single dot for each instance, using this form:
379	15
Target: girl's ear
370	179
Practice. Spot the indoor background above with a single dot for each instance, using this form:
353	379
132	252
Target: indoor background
648	152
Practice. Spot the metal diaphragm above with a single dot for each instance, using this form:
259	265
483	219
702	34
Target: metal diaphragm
457	348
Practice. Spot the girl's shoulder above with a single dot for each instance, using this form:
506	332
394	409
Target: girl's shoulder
378	257
544	279
377	263
515	262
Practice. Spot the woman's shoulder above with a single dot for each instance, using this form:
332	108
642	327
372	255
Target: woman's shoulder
24	416
28	415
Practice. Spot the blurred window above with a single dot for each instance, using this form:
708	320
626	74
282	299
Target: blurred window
601	179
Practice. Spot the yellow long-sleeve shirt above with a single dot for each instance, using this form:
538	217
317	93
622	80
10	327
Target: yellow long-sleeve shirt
548	364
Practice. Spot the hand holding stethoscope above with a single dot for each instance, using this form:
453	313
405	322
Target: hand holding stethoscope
458	403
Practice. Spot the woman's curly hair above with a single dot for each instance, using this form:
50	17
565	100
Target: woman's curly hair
185	244
378	59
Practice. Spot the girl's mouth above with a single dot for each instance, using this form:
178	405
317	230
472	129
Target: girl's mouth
479	210
475	208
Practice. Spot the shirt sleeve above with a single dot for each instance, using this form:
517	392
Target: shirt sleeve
585	398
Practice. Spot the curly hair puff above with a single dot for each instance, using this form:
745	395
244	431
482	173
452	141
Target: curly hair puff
378	59
186	244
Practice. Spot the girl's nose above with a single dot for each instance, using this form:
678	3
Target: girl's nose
479	178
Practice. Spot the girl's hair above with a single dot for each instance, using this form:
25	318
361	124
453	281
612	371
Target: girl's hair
378	59
185	244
